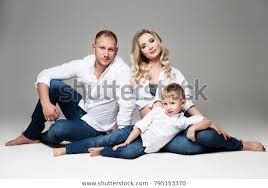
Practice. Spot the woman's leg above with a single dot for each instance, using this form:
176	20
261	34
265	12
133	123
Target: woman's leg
211	139
180	144
131	151
111	139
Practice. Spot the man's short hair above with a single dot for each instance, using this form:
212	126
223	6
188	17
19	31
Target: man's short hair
173	90
106	33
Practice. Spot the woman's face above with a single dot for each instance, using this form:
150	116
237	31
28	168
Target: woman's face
150	47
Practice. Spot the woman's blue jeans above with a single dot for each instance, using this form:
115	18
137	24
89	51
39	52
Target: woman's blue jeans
70	129
207	141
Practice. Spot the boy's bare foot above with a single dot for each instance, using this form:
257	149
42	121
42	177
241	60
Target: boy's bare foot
252	146
94	151
59	151
21	140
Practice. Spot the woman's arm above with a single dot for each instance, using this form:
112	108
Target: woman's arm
204	124
194	111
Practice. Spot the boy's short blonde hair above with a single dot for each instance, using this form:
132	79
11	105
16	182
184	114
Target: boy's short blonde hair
173	90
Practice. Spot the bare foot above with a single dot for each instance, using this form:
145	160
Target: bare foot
21	140
59	151
252	146
94	151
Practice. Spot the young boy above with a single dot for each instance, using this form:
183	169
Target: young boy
160	125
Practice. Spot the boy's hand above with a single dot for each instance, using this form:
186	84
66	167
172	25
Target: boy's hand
119	146
191	134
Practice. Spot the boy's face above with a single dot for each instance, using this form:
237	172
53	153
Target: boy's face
173	105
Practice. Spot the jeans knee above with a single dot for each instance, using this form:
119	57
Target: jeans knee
55	86
207	135
58	129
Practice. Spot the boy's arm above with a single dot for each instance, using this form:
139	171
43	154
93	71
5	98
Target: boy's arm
204	124
135	133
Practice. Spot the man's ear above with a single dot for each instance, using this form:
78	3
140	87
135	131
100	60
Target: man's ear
116	50
93	48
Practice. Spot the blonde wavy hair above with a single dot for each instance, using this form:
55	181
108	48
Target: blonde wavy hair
140	64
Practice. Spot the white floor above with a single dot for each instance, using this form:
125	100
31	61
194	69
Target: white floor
36	161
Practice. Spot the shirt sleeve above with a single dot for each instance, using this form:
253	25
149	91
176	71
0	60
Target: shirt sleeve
125	98
145	122
62	72
180	79
185	122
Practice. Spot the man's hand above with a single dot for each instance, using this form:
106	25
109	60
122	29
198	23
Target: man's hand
119	146
191	134
50	111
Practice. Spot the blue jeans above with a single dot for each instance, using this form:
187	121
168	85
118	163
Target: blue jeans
70	129
207	141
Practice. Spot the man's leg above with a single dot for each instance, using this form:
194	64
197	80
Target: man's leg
116	137
66	97
68	130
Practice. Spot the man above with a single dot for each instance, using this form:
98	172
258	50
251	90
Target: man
107	104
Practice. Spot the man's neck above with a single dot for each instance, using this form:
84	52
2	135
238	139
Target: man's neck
99	70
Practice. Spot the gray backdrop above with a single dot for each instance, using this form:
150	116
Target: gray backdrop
222	43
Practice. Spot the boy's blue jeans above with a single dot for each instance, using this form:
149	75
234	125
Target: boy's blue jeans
207	140
70	129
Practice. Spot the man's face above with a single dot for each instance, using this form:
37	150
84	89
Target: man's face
105	50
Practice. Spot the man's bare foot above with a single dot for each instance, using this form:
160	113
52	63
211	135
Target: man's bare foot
21	140
252	146
59	151
94	151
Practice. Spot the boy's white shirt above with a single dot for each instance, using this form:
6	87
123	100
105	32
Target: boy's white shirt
143	96
157	128
102	114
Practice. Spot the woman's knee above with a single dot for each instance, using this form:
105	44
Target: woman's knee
207	135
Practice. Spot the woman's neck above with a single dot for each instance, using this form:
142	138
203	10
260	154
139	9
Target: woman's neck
155	63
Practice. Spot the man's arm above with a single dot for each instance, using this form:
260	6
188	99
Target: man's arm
62	72
51	113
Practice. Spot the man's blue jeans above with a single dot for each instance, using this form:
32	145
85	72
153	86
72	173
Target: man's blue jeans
207	141
70	129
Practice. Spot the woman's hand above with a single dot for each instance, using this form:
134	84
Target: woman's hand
119	146
158	104
220	131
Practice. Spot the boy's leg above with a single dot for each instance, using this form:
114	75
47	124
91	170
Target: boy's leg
116	137
131	151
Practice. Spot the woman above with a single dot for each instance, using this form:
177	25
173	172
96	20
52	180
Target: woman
150	71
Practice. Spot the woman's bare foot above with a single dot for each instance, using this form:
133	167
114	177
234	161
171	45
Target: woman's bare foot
252	146
59	151
95	151
21	140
